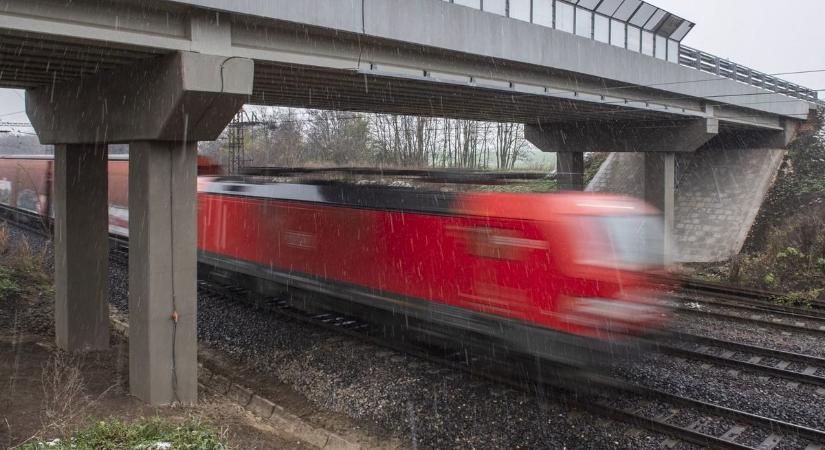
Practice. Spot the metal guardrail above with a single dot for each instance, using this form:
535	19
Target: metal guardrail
706	62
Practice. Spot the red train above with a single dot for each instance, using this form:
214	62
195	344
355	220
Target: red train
567	277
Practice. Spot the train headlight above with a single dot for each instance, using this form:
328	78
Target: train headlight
612	309
611	314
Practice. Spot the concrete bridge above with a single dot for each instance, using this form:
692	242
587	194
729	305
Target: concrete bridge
160	75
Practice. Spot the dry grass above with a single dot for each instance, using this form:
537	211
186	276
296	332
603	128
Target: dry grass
4	239
27	261
64	393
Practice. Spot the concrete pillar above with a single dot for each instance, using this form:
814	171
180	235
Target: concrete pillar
160	103
81	247
660	191
162	272
570	171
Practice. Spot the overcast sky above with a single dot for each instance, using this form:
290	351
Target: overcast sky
767	35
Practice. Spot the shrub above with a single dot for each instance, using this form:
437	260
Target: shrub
794	256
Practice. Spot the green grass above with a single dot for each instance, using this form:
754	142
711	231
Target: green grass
804	298
9	289
548	185
146	434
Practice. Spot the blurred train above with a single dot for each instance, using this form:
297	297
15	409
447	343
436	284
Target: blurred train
567	277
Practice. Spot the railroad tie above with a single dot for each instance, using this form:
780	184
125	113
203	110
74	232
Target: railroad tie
770	442
809	370
733	433
670	443
783	365
666	416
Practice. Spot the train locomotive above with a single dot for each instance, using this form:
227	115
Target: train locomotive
566	277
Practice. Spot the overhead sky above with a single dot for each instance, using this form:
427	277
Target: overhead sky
767	35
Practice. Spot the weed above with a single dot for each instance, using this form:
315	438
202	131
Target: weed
146	434
4	239
27	261
64	393
9	289
804	299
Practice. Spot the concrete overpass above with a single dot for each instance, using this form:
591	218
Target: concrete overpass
160	75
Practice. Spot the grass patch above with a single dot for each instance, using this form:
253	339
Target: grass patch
146	434
537	186
800	298
9	289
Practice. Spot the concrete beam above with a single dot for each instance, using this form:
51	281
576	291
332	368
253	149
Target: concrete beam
183	96
81	247
570	171
751	139
162	272
623	136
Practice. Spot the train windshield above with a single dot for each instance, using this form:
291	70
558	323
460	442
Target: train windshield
628	242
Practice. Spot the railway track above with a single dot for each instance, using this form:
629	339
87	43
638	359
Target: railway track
569	386
794	367
746	296
770	432
784	318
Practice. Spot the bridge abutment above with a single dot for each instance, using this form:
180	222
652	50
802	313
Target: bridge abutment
162	108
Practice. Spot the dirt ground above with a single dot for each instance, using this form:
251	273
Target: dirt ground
45	394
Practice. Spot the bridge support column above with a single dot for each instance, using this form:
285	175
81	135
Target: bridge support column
660	191
570	171
81	247
163	270
162	108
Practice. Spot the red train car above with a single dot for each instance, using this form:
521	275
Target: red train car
564	277
560	276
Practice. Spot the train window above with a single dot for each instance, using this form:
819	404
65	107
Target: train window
624	241
28	201
5	192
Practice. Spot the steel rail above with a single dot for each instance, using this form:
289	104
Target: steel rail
747	365
777	323
790	311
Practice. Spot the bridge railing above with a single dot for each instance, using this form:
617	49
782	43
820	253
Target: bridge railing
706	62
